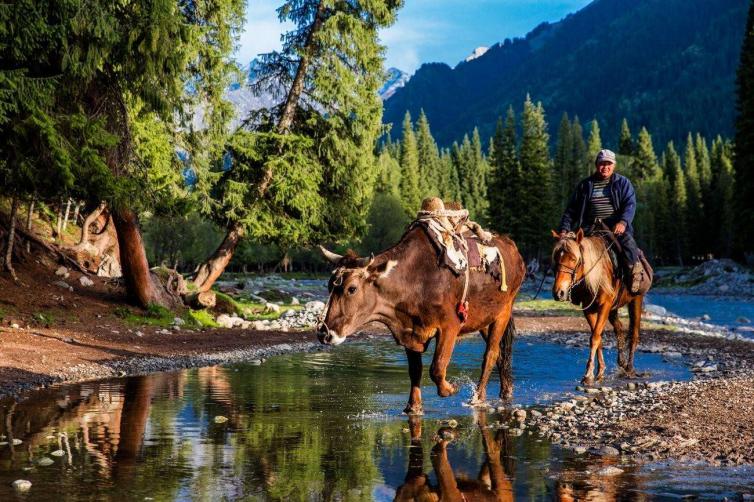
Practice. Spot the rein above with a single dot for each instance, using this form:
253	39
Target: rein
586	274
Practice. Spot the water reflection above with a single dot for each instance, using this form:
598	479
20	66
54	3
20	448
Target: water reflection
300	427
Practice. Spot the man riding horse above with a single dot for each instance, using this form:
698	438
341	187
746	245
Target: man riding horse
608	197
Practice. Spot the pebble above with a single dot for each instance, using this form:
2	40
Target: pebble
45	461
22	485
17	442
609	471
609	451
57	453
219	419
85	281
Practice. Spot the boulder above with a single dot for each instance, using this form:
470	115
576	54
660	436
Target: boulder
86	281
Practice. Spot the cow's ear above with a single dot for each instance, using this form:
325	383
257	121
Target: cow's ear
382	270
580	235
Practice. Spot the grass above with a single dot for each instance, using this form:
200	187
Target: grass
155	316
250	310
43	318
200	318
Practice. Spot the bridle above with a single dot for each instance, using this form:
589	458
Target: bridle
338	274
580	263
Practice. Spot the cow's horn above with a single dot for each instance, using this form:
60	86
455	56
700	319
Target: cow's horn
330	256
365	262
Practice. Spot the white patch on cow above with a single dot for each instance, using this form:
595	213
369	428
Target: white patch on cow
336	339
391	264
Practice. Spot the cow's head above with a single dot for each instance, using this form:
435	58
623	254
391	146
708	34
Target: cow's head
354	294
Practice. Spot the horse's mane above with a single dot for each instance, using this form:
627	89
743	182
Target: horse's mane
592	251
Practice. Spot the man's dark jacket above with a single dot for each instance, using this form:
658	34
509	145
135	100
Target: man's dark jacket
624	201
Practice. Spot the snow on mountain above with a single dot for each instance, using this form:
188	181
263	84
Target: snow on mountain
395	80
478	52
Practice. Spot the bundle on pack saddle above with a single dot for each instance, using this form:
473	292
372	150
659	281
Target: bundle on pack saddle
462	245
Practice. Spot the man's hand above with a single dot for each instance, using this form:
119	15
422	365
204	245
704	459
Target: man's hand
619	228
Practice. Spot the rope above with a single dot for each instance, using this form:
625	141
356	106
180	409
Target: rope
540	285
583	277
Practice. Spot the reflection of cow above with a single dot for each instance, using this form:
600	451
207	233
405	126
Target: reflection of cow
492	483
405	289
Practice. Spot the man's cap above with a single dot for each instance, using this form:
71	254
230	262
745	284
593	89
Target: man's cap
605	156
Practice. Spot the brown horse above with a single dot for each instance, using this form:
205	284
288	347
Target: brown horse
584	275
406	289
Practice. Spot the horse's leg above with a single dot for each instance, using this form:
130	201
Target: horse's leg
603	309
414	406
600	364
634	316
620	337
505	359
492	352
446	339
446	478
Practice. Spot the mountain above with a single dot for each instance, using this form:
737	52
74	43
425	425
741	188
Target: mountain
395	80
669	65
478	52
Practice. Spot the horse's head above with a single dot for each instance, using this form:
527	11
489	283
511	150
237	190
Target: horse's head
568	262
354	295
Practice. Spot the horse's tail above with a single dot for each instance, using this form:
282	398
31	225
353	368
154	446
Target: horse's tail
505	360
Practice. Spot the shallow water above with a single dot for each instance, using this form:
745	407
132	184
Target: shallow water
722	311
319	426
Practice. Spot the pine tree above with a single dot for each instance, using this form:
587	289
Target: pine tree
429	158
409	180
562	182
452	189
626	144
535	199
650	194
724	201
695	212
675	227
389	177
645	162
744	149
476	181
579	155
594	145
504	181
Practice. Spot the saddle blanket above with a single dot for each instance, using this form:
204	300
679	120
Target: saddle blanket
460	252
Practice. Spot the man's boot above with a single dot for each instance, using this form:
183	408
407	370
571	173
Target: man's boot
637	272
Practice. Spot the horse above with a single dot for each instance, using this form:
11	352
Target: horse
584	275
408	290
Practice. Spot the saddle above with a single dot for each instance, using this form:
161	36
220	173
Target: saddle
461	244
646	278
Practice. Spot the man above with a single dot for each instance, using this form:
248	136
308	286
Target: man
610	197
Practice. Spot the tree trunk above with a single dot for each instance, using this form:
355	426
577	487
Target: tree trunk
297	87
88	221
11	238
29	216
133	260
67	213
60	219
76	210
210	270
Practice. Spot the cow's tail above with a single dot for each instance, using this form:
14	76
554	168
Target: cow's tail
505	360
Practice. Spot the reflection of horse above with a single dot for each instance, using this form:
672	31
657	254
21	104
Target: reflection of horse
492	483
584	275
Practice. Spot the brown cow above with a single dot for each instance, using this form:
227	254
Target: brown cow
407	290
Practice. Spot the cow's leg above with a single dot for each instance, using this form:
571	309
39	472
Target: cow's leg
620	337
603	309
634	316
446	339
414	406
495	334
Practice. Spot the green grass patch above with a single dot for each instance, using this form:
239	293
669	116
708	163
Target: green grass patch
155	315
43	318
543	305
200	318
248	309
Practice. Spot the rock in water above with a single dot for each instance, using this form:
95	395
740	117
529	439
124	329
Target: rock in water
609	471
45	461
22	485
219	419
57	453
609	451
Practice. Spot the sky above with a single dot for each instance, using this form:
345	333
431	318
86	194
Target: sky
426	30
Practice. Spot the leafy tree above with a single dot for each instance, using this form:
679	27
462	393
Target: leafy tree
744	154
304	168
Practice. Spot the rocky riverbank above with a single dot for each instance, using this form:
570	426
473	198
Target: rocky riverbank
708	419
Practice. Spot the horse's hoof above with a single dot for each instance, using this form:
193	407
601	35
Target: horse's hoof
478	402
600	377
413	411
587	380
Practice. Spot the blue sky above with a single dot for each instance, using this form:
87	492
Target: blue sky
426	30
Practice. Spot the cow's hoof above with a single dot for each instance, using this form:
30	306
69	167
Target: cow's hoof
414	411
587	380
445	389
